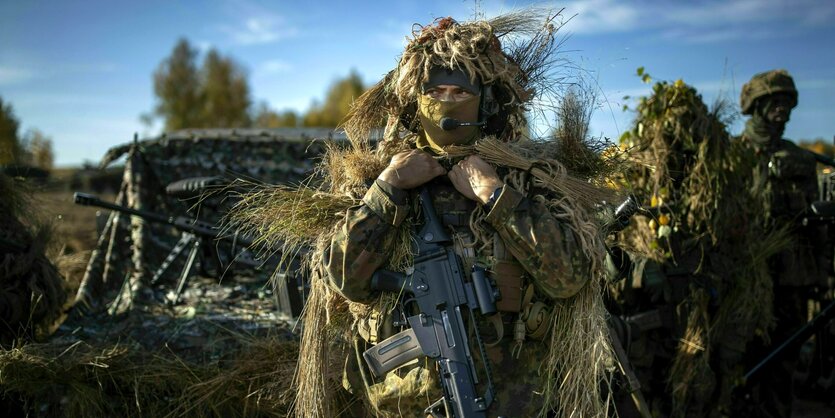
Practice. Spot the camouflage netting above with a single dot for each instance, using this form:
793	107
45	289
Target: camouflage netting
134	247
565	171
32	292
156	361
696	182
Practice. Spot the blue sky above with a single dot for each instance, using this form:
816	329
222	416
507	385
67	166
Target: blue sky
80	71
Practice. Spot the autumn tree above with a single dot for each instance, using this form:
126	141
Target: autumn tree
818	145
340	96
215	95
225	91
37	150
265	117
177	87
10	148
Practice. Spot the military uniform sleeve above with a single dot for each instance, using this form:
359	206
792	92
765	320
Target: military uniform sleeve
363	241
546	247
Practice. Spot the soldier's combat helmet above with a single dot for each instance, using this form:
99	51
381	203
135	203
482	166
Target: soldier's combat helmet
764	84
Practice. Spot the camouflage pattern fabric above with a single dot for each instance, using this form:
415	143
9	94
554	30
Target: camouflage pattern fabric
543	245
134	247
695	296
788	175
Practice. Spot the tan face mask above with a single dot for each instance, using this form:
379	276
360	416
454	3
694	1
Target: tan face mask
432	110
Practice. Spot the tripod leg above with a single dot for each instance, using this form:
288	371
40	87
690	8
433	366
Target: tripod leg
186	271
185	240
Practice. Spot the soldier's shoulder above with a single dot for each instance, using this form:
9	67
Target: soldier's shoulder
790	147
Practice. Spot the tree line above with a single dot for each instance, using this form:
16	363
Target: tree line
216	94
33	148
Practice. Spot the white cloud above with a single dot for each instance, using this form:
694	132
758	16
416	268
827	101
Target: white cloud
750	11
259	30
51	100
714	35
273	67
705	22
17	73
10	75
203	46
601	16
394	34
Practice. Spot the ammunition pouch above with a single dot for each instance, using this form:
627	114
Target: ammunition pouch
509	278
537	321
376	327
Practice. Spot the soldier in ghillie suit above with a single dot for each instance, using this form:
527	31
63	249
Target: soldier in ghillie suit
32	291
694	297
786	175
509	203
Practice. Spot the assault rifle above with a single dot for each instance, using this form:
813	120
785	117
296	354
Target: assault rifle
822	159
798	338
195	234
440	291
819	212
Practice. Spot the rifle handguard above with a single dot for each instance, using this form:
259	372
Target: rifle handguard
85	199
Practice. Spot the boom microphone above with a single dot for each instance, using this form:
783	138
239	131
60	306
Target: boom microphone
449	124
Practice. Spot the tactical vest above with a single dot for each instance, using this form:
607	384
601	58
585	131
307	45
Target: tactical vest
788	176
521	309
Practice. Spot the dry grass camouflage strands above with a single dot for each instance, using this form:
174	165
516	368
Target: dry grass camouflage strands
32	291
128	380
563	171
697	183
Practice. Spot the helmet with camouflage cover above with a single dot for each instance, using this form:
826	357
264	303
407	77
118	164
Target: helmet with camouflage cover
764	84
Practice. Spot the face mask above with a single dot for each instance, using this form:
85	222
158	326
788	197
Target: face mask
432	110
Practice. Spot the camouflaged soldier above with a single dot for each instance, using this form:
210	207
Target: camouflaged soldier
455	86
788	176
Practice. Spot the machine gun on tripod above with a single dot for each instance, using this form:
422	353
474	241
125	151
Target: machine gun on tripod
197	236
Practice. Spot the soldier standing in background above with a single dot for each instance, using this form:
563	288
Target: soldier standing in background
693	297
787	175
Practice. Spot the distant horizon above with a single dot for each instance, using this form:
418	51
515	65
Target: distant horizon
85	82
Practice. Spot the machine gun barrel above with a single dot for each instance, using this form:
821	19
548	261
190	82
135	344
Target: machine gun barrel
823	159
86	199
180	222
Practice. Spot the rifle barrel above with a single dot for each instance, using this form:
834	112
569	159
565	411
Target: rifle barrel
799	337
91	200
823	159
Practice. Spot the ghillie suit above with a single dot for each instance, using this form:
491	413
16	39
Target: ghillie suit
76	379
575	356
786	176
32	292
699	257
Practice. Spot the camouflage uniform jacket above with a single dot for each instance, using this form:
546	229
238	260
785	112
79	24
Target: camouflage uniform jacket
527	236
788	175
